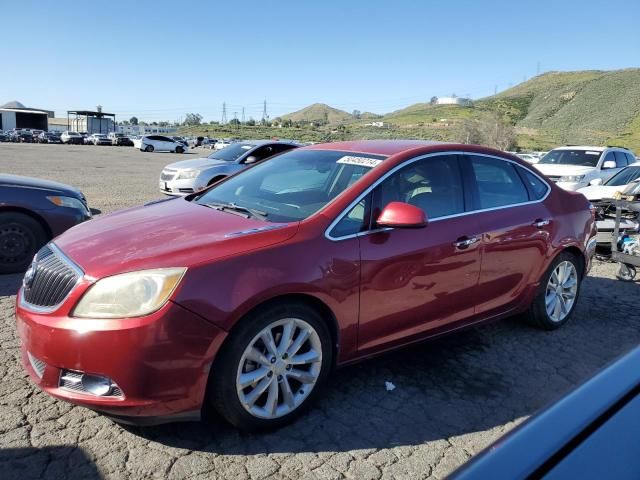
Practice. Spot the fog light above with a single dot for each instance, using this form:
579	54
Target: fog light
96	384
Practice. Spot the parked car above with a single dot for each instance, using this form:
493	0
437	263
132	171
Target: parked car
35	134
32	212
120	139
4	136
48	137
21	135
99	139
188	176
244	297
574	167
160	143
69	137
593	432
528	157
222	143
181	140
599	189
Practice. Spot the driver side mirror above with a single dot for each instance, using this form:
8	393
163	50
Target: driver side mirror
251	159
608	164
596	181
402	215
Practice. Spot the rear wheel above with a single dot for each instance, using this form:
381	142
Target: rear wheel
272	367
20	238
149	148
557	294
179	150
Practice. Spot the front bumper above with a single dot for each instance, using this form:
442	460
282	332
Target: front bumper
572	186
160	362
177	187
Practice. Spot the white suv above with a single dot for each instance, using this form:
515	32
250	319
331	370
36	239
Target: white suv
574	167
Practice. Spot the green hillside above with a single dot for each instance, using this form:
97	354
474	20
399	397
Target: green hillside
318	112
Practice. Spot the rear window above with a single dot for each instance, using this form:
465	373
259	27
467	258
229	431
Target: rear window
578	157
537	187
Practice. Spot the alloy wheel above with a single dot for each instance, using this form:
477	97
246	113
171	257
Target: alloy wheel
279	368
562	290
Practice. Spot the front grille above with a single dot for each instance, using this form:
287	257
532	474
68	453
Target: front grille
37	365
167	175
71	380
185	190
52	277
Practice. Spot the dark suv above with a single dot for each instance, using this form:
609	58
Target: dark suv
32	212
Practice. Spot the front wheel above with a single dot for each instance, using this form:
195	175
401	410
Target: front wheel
179	150
557	294
20	238
272	367
149	148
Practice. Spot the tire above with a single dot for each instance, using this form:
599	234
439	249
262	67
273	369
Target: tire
149	148
179	150
626	272
20	238
538	314
225	390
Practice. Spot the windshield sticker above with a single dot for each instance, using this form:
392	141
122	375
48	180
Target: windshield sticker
362	161
589	152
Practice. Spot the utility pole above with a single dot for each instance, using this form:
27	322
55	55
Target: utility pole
235	117
224	113
242	114
264	112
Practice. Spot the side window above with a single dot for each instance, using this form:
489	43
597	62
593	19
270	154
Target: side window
536	186
630	158
609	157
357	220
621	159
498	182
434	184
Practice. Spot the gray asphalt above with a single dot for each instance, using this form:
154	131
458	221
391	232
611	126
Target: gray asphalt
453	396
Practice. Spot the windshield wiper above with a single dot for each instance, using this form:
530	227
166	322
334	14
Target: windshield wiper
238	209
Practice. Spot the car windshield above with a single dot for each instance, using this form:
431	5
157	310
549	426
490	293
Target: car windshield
292	186
232	152
624	176
73	133
582	158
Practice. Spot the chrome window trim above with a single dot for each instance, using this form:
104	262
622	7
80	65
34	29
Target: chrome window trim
327	232
37	309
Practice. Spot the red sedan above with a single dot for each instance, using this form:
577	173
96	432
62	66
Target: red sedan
243	297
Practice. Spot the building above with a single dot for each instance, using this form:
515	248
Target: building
16	115
91	121
146	130
454	100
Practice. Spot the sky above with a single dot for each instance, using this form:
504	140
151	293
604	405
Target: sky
158	60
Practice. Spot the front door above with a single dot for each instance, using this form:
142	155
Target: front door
415	281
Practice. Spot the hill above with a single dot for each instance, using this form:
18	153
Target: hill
318	112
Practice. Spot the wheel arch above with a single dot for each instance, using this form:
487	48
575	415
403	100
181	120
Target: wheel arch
216	179
579	254
33	215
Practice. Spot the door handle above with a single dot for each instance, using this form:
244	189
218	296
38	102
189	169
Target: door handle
465	242
539	223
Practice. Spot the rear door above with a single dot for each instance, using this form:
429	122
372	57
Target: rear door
515	226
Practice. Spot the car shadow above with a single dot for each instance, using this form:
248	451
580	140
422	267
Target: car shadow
47	462
10	283
477	380
95	211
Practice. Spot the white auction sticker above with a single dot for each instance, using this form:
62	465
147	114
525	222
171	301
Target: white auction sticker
362	161
589	152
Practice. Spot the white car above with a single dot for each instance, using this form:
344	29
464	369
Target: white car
71	137
575	167
222	143
619	182
99	139
160	143
528	157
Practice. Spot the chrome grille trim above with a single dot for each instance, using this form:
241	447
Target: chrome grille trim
71	380
54	279
37	365
168	175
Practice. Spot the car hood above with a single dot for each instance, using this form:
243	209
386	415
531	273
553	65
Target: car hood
197	163
561	170
39	184
169	233
598	192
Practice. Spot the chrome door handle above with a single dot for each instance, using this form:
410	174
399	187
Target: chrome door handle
465	242
541	223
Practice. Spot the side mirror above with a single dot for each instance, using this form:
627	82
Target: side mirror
402	215
608	164
596	181
251	159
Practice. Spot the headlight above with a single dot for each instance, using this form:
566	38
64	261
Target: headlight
69	202
571	178
131	294
188	174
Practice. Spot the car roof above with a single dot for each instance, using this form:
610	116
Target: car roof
375	147
258	143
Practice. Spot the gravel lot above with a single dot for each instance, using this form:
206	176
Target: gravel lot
453	396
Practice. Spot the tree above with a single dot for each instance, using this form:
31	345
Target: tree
192	119
433	100
356	114
492	130
133	120
251	122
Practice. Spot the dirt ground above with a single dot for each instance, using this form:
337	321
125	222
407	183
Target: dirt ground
453	396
